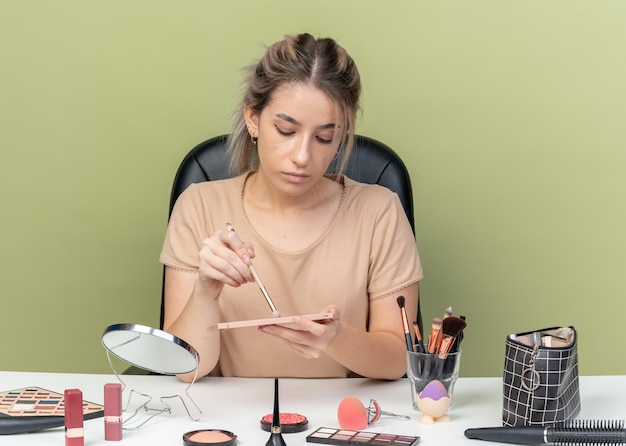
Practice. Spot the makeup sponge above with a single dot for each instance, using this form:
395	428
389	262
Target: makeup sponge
352	414
434	390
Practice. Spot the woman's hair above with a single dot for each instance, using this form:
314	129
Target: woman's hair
304	59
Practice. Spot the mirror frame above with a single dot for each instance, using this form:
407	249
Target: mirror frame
136	333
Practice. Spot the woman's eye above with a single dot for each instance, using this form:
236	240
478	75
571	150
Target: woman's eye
320	139
324	140
283	132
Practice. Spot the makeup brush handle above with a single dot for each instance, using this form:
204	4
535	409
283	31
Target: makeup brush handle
527	435
433	343
257	279
409	341
420	347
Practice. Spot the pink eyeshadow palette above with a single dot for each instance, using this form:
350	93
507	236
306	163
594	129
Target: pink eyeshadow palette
32	408
328	435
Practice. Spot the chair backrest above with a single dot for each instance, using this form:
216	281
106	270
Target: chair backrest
370	162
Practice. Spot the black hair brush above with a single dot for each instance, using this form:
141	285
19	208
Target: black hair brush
577	432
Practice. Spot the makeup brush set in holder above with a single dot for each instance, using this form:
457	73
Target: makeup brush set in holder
439	358
433	368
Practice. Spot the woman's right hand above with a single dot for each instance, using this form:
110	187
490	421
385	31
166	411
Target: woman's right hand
224	259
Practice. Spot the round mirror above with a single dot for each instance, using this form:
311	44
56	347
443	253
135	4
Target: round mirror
150	349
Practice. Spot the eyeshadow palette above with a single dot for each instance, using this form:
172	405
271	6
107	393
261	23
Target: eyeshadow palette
32	408
328	435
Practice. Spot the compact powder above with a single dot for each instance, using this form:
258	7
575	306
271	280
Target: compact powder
216	437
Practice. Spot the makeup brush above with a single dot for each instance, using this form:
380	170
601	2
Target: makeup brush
257	279
433	341
418	335
451	327
447	312
276	436
457	342
433	338
405	323
577	432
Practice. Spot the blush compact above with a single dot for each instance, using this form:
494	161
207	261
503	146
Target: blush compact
215	437
289	422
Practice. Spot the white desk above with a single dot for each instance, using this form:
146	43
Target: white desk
237	405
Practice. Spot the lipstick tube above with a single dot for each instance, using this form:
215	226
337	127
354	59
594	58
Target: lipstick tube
74	433
113	412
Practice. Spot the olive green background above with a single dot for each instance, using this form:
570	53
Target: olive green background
511	117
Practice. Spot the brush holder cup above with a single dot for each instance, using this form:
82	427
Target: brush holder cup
432	379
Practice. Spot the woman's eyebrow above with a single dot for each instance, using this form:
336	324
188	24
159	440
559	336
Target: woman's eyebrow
291	120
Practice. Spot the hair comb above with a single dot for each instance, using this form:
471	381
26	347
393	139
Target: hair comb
577	432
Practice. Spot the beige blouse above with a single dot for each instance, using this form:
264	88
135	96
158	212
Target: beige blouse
367	252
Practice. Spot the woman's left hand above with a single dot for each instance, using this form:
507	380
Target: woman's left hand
311	338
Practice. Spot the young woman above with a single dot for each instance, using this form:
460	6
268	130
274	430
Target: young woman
320	243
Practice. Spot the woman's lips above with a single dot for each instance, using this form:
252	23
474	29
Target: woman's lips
296	177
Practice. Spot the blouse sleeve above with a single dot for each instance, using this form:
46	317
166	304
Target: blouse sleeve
394	262
185	232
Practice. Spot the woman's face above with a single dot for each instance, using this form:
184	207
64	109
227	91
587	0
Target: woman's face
298	132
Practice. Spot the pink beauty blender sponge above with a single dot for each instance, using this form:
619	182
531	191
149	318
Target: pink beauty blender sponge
352	414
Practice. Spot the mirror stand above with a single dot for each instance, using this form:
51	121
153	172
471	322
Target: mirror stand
129	424
141	346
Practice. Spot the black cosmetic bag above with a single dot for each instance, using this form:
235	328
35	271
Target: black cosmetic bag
540	380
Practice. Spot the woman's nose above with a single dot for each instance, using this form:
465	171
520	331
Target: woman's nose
301	154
